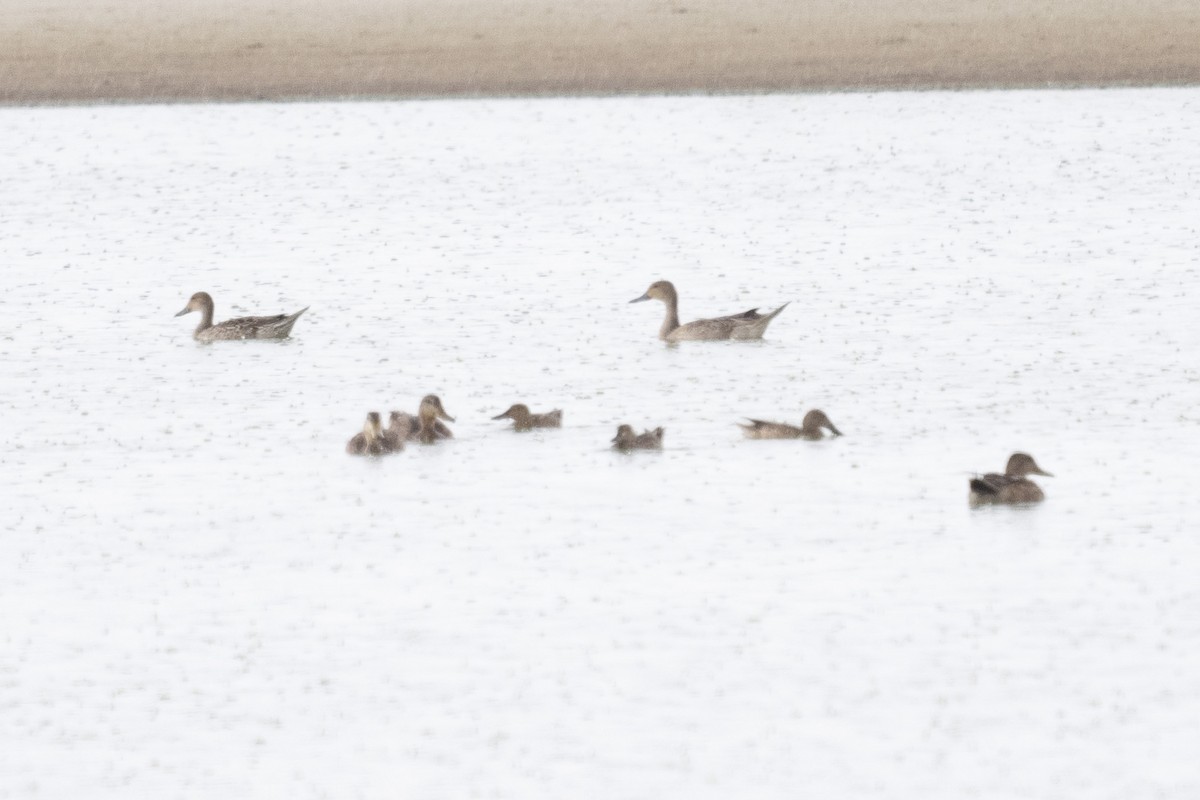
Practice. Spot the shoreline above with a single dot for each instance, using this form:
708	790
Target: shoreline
45	103
146	51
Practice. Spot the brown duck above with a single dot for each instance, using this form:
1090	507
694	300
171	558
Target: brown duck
276	327
523	420
369	441
1012	486
747	325
812	428
429	429
627	440
403	426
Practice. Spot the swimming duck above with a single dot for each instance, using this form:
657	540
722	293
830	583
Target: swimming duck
525	421
276	327
627	440
810	428
747	325
1012	486
401	427
429	430
369	441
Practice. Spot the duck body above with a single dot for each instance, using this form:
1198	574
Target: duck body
370	440
401	427
524	420
410	428
627	440
812	428
360	445
745	326
405	427
278	326
1010	488
429	430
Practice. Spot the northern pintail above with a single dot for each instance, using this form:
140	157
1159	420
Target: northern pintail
747	325
813	427
276	327
401	427
369	441
627	440
404	426
523	420
429	429
1012	486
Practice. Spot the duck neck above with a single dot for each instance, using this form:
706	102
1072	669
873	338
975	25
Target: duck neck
671	321
427	428
206	319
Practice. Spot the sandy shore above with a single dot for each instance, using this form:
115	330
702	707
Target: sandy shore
59	51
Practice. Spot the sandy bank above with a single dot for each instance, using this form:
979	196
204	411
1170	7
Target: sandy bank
60	51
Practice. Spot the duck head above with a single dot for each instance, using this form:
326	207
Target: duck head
624	434
431	408
1022	464
516	412
659	290
373	427
200	301
816	419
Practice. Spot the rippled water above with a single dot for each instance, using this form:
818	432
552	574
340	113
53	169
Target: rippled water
202	594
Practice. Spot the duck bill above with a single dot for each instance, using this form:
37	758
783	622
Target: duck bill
640	299
441	413
1040	471
185	311
501	416
834	429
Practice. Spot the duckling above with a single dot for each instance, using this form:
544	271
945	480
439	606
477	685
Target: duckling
400	427
276	327
429	429
401	424
747	325
525	421
369	441
627	440
810	428
1012	486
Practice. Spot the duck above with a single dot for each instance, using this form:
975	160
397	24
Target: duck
627	440
276	327
747	325
429	430
369	441
523	420
401	427
812	428
1012	486
405	426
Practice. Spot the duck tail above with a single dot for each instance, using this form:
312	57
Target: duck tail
285	325
776	312
980	486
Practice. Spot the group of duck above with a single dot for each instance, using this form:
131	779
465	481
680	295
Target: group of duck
428	426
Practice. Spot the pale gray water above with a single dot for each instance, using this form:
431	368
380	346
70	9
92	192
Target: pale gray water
202	594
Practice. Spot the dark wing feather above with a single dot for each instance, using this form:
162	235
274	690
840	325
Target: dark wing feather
251	322
992	483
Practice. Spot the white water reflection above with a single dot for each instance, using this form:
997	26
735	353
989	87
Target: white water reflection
202	593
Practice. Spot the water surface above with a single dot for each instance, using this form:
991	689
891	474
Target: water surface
203	594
